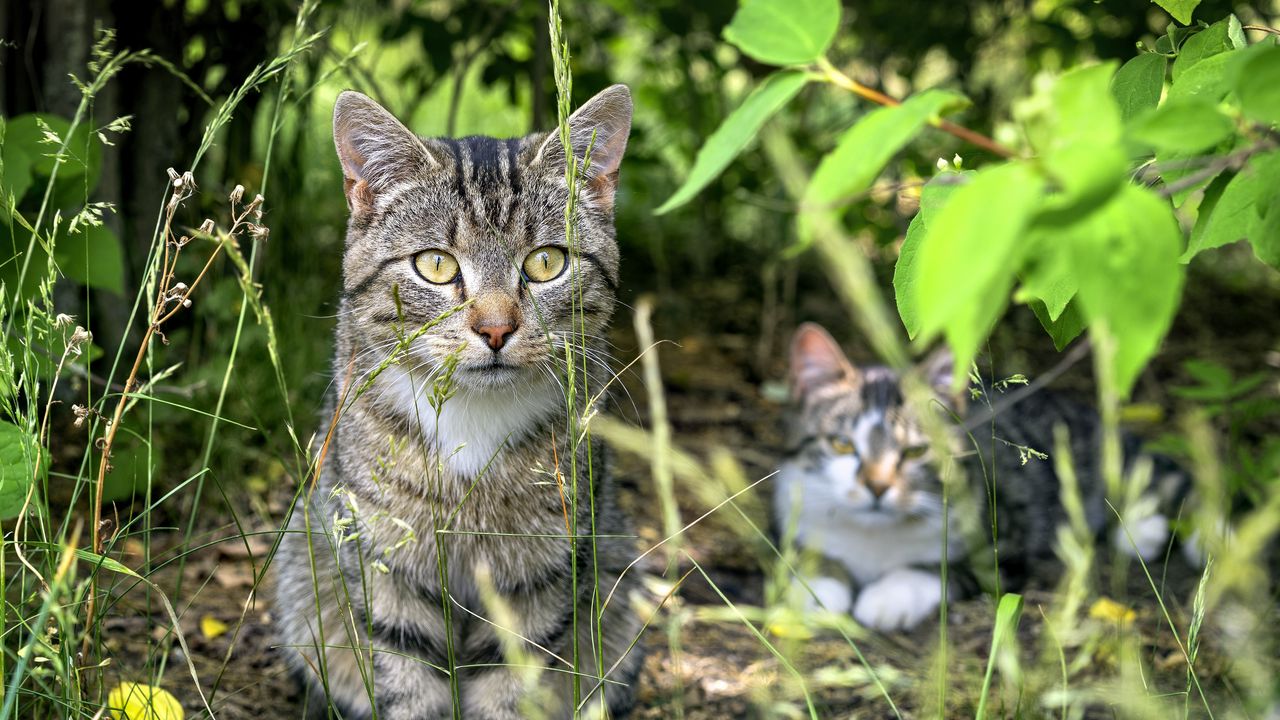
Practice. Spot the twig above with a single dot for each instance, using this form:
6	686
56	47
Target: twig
1232	161
833	75
1263	28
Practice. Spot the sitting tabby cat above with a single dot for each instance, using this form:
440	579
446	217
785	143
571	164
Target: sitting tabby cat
861	489
377	608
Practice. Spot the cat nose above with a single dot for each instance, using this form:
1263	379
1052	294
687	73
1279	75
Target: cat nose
495	333
877	489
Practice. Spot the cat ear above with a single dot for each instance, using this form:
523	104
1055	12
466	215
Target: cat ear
939	371
376	150
817	360
607	117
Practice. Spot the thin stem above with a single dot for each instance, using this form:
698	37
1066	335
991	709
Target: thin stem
830	73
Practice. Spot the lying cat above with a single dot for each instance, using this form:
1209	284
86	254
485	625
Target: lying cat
860	485
436	543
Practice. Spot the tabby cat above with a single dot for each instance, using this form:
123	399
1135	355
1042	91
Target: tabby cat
430	569
861	486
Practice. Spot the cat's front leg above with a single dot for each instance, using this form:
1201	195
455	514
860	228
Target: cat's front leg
407	688
899	600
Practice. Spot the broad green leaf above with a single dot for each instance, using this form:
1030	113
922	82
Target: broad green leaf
735	132
93	257
784	32
1081	149
864	149
905	272
1066	327
1206	43
17	468
1129	275
1258	85
1237	214
1206	79
1180	9
83	151
1235	33
967	260
1048	275
1138	83
16	176
1266	242
1183	125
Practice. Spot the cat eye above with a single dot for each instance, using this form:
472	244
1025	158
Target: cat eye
436	267
544	264
840	445
915	452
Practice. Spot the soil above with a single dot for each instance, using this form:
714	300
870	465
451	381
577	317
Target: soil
719	389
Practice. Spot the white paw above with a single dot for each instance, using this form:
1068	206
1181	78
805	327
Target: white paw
899	600
1197	548
828	594
1145	536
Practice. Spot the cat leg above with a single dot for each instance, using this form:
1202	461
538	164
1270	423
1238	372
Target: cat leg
899	600
822	584
407	688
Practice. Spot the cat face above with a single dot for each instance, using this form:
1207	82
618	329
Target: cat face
852	431
476	226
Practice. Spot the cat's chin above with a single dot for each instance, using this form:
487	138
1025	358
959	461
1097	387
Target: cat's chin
491	376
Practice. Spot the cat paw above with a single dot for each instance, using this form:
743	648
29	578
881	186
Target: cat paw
898	601
1197	548
830	594
1144	537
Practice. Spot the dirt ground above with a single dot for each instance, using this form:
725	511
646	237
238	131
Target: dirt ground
717	389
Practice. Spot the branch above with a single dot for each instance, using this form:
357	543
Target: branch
1232	161
833	75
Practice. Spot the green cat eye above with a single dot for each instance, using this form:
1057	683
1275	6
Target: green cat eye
841	445
545	263
436	267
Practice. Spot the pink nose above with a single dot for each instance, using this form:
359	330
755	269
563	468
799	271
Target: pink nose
495	334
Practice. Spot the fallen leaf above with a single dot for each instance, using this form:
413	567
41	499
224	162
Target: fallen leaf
211	627
137	701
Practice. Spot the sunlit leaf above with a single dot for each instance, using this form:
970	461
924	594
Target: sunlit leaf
1258	85
735	132
1180	9
1206	43
1066	327
969	255
784	32
906	270
1138	83
1185	125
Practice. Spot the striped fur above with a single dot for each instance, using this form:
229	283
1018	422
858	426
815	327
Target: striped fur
376	608
861	486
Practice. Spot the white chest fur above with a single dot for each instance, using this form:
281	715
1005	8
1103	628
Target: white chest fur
474	425
870	549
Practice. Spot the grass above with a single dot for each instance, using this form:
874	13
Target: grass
68	571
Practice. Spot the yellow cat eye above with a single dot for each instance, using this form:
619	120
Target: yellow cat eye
915	452
545	263
436	266
840	445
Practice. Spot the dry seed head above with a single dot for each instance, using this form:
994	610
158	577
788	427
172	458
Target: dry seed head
237	194
207	227
63	320
173	175
82	413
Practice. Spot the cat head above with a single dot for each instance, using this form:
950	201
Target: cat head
439	223
851	429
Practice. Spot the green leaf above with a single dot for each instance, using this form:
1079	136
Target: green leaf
1182	125
735	132
15	177
84	153
1130	280
94	257
1179	9
1008	613
784	32
1138	83
967	260
1206	79
865	148
1258	85
1206	43
1066	327
1080	142
17	468
932	197
1237	213
1048	276
1266	242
